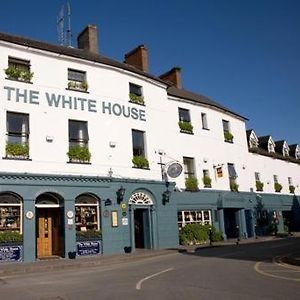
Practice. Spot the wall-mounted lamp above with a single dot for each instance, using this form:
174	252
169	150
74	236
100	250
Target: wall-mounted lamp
107	202
166	197
120	194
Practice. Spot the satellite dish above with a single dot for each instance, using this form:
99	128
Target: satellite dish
174	169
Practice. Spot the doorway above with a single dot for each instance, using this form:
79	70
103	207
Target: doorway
49	232
142	228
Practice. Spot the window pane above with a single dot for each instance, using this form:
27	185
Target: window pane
78	131
257	176
275	178
135	89
204	121
138	142
225	125
231	171
76	75
17	123
184	115
188	167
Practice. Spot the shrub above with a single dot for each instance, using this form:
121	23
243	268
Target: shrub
88	235
206	181
140	161
292	189
10	236
191	184
277	187
185	126
26	75
136	99
259	186
13	72
79	153
234	187
17	150
228	136
216	236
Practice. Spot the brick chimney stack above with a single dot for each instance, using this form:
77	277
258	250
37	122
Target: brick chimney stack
88	39
173	76
138	58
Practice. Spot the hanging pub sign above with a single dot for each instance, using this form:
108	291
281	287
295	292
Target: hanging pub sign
10	253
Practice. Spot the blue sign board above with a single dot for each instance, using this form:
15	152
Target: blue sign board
89	248
10	253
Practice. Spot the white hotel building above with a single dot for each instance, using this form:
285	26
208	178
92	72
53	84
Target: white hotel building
89	144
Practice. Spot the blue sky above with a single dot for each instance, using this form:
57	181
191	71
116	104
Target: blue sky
244	54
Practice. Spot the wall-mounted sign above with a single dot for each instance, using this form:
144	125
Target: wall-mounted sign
123	206
29	214
10	253
219	171
70	214
124	221
89	248
106	213
114	218
174	169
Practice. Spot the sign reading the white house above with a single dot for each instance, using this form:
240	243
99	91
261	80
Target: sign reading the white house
74	103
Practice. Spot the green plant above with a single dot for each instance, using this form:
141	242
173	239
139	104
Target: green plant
15	149
136	99
228	136
12	72
259	186
234	187
10	236
277	187
206	181
140	161
88	235
292	188
26	75
79	153
84	85
185	126
191	184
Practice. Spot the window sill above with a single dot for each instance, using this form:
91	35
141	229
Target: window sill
79	162
141	104
134	167
77	90
204	128
230	142
186	132
207	186
18	80
16	158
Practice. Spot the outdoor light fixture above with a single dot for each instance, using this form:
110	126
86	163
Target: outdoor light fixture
120	194
166	197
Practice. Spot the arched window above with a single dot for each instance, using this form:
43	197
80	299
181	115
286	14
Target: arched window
87	213
10	212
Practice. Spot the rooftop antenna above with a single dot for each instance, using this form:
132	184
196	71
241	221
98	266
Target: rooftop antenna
64	26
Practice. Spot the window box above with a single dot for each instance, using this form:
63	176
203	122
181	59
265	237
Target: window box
78	86
277	187
259	186
228	137
18	74
11	237
89	235
15	150
206	181
234	187
79	154
136	99
185	127
292	188
140	161
191	184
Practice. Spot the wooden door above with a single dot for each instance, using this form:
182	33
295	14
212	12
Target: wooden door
44	233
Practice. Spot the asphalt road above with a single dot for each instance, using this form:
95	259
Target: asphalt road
248	271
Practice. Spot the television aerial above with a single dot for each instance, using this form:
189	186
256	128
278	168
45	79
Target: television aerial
64	26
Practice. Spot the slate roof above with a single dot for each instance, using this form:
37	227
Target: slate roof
263	141
86	55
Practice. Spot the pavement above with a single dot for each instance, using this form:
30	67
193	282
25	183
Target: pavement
8	269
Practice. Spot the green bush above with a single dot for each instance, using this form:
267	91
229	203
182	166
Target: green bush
206	181
140	161
191	184
15	149
136	99
185	126
88	235
18	74
228	136
259	186
234	187
79	153
277	187
292	189
10	236
196	234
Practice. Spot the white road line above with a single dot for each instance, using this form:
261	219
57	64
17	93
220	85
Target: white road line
139	284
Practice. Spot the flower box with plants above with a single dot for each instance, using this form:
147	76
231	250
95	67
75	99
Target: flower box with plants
17	150
277	187
191	184
206	181
89	235
234	187
228	137
292	189
136	99
186	127
78	153
259	186
9	237
18	74
78	86
141	162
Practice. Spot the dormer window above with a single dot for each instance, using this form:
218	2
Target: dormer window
271	146
285	150
297	152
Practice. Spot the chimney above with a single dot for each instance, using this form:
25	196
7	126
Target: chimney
88	39
138	58
173	76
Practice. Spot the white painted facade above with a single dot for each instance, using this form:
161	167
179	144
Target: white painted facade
110	136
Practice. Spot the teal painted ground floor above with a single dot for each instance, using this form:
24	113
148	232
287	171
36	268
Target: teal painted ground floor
44	216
